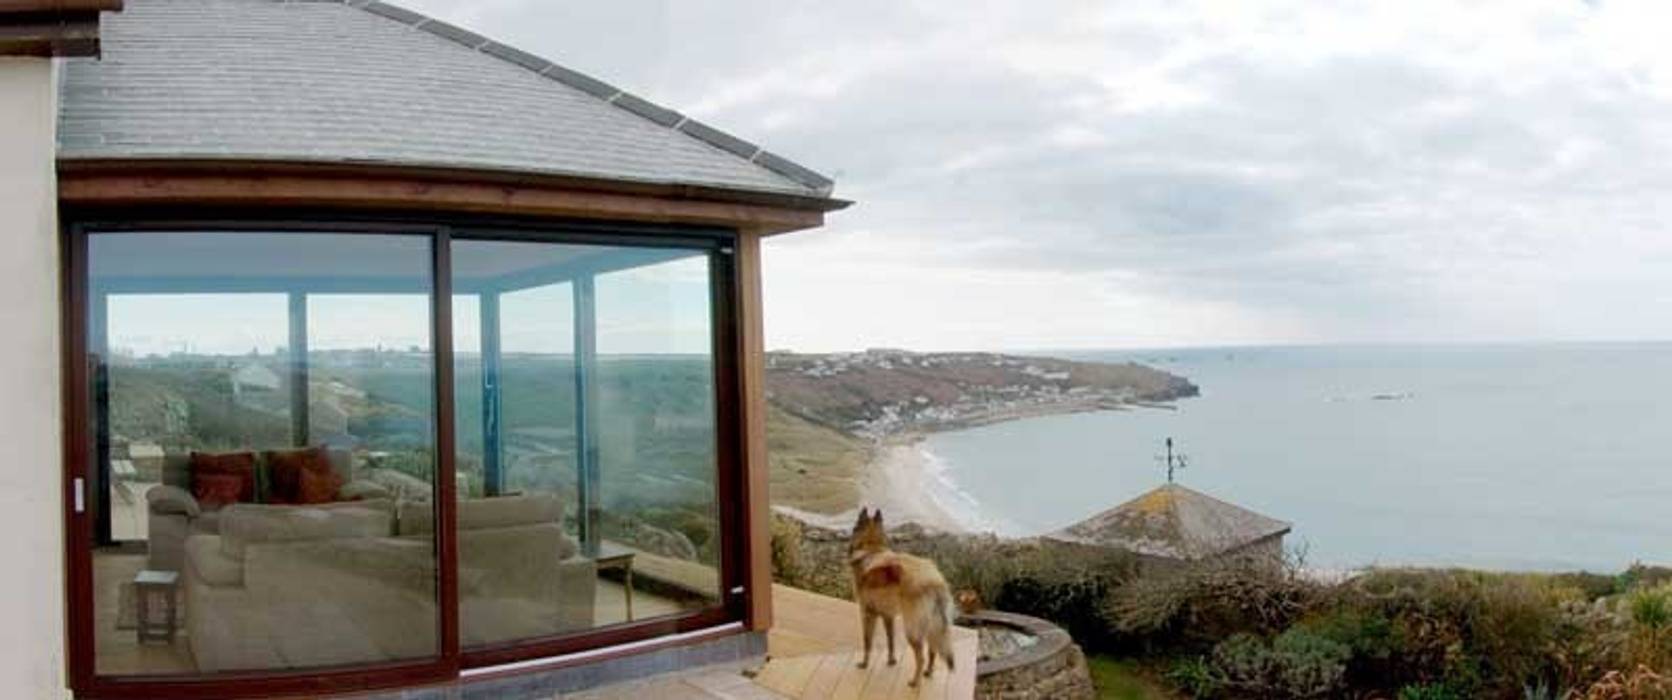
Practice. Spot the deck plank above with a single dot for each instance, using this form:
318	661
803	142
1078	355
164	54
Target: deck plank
824	680
815	645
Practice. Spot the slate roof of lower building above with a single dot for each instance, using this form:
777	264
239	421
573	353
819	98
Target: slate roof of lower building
361	82
1174	522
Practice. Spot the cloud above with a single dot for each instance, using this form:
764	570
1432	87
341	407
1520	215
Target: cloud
1069	174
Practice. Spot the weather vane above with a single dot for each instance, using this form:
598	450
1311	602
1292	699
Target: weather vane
1174	461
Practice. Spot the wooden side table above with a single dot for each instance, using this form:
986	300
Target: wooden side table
615	556
149	584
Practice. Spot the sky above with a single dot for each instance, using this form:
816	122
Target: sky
1137	174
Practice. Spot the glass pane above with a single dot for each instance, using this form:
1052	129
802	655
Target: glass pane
656	424
591	496
264	430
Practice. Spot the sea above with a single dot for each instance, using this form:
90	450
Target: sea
1516	457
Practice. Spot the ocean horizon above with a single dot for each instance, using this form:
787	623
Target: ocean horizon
1537	456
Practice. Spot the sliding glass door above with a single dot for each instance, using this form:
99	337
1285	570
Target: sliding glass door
588	440
316	458
263	404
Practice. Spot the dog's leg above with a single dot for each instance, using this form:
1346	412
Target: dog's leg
888	625
869	624
917	659
929	666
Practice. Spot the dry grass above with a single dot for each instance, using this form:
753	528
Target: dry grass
813	467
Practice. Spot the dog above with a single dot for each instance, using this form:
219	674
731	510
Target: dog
887	584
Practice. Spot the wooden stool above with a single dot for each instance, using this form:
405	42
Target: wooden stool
154	583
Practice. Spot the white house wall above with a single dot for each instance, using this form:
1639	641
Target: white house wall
31	517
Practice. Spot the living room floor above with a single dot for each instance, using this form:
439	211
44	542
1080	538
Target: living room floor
120	653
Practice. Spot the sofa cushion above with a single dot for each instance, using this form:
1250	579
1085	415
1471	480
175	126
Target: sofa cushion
210	564
287	473
418	518
222	478
214	491
245	524
207	523
363	491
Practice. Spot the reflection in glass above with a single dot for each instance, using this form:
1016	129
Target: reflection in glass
586	436
263	420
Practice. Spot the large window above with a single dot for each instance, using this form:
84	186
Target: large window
280	486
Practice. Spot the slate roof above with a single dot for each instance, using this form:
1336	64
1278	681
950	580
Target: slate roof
356	81
1174	522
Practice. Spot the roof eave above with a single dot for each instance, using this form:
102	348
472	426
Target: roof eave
245	166
232	182
52	28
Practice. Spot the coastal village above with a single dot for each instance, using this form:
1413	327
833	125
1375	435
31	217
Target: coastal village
880	393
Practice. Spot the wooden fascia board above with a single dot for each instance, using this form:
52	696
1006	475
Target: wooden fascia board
233	184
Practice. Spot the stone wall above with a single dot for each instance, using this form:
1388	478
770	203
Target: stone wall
1052	668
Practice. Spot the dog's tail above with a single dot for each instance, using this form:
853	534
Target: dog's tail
940	635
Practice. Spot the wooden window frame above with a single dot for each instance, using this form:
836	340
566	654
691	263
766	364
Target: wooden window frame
738	595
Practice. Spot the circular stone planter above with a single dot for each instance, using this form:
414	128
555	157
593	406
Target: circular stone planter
1023	658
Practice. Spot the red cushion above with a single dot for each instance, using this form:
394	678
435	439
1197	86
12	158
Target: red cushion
212	473
215	490
285	469
319	487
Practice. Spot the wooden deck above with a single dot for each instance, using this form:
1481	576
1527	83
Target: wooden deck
815	646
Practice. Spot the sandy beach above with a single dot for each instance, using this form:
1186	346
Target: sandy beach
910	485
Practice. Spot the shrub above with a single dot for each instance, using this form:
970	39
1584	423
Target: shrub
1297	664
1368	634
1641	683
1070	596
1193	607
786	550
1309	664
1490	634
1590	640
1431	691
1649	611
1196	677
1641	575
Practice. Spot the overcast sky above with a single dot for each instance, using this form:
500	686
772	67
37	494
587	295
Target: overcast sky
1117	174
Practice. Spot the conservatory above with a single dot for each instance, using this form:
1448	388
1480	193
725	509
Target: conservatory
389	356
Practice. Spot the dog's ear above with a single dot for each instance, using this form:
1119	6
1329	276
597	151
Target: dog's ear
876	519
862	519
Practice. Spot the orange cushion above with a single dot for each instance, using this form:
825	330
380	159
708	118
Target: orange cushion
213	492
285	469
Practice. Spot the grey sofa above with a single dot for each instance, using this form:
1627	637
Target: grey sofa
301	586
175	515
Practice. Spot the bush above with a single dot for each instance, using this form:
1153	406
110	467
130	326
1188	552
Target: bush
1649	611
1062	590
1640	684
1297	664
1489	634
1191	608
1431	691
1643	576
1196	677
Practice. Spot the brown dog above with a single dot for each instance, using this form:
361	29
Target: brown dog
887	583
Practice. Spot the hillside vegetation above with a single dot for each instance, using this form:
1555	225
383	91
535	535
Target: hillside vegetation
879	392
829	412
1238	629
